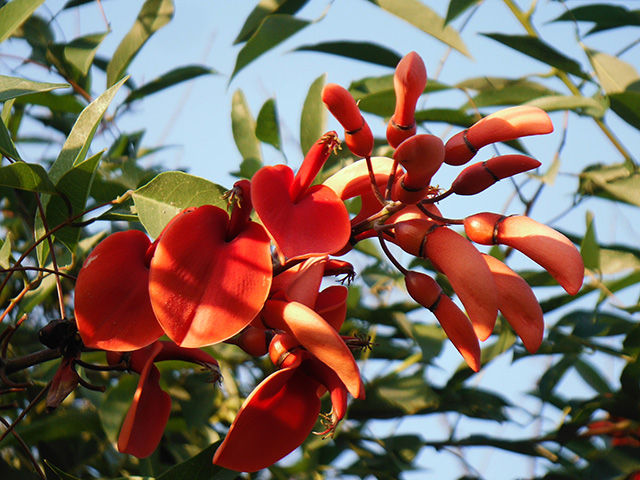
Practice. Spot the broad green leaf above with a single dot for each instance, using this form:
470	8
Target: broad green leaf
169	79
267	126
589	248
199	468
615	182
7	147
457	8
420	16
538	49
12	87
272	31
27	176
5	251
75	58
66	423
364	51
615	75
75	185
154	15
616	259
76	146
604	16
262	11
515	93
313	120
577	103
553	375
243	126
13	14
171	192
43	292
627	106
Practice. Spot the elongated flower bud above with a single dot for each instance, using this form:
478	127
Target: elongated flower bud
426	291
480	176
518	304
313	162
344	108
421	156
547	247
409	82
461	262
501	126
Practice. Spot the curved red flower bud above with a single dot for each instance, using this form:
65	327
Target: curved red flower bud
303	221
426	291
453	255
112	306
344	108
409	81
421	156
313	162
318	337
272	422
518	304
252	340
480	176
204	289
547	247
144	423
501	126
285	351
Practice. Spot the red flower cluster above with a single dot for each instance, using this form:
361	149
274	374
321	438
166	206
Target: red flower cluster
212	277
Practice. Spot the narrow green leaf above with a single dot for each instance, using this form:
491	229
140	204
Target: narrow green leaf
364	51
591	376
577	103
536	48
243	126
446	115
262	11
590	248
171	192
12	87
5	251
272	31
7	147
267	127
78	54
60	473
553	375
13	14
199	468
627	106
66	103
169	79
154	15
27	176
313	120
604	16
77	144
457	8
426	19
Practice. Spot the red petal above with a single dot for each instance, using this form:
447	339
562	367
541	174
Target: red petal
112	305
273	421
204	289
316	225
148	415
318	337
331	305
302	282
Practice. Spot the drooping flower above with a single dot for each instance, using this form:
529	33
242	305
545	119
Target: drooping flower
147	417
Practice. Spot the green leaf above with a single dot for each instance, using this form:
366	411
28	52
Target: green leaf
604	16
262	11
77	56
590	249
272	31
267	127
169	79
446	115
27	176
577	103
13	14
200	468
615	75
313	120
614	182
67	103
536	48
420	16
171	192
591	376
12	87
7	147
61	474
457	8
627	106
243	126
153	15
364	51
